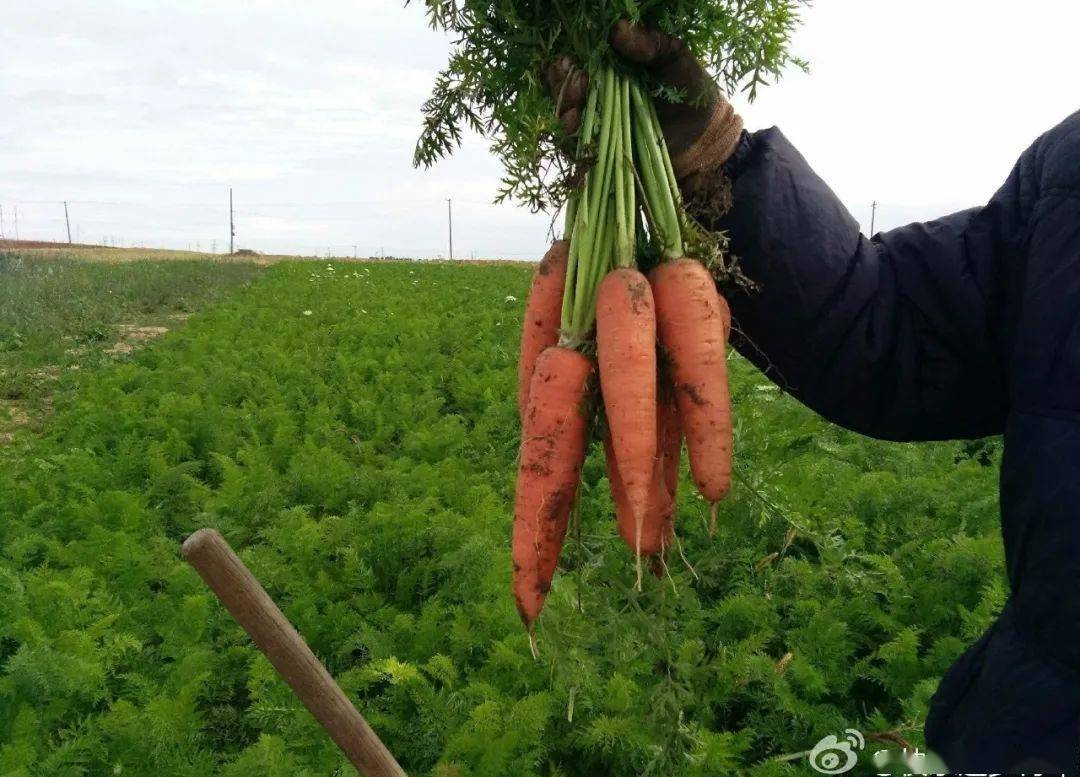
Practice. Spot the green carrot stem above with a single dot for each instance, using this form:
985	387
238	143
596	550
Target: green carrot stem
649	169
588	123
595	246
588	119
669	170
598	267
645	209
628	164
625	205
652	168
572	261
602	268
588	223
607	117
604	216
624	256
569	215
654	175
607	229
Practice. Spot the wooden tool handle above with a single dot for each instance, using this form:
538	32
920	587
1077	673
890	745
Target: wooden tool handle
252	607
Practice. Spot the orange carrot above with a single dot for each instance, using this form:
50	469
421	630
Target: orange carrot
540	329
669	438
669	452
690	321
657	519
626	352
554	438
658	526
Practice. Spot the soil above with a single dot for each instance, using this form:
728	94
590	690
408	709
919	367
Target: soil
133	336
13	417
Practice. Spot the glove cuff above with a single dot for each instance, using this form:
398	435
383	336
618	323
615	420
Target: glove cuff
714	146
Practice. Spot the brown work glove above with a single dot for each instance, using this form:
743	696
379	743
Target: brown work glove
702	131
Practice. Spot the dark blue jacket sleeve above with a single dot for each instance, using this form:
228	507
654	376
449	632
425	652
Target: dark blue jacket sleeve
897	336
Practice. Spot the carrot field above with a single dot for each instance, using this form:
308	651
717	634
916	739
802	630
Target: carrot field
352	429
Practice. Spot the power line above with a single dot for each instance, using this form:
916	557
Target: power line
281	232
309	203
124	203
325	203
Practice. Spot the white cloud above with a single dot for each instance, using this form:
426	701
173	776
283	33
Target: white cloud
924	105
311	113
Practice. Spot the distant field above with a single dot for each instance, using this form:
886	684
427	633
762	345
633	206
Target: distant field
352	430
41	249
66	308
113	255
60	315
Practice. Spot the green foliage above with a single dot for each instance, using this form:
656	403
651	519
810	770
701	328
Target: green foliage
58	313
361	459
493	83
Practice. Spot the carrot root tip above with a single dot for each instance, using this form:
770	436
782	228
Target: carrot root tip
712	519
685	560
667	573
532	645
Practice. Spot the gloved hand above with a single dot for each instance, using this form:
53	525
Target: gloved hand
702	131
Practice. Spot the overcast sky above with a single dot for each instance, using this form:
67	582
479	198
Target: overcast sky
142	114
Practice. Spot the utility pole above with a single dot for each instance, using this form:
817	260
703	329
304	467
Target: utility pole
354	252
450	225
16	207
873	216
67	221
232	224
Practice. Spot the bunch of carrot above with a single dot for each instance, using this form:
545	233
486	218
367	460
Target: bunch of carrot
625	334
656	343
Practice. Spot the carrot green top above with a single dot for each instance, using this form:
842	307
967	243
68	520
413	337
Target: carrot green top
493	83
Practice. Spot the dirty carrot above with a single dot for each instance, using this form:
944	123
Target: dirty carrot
657	519
540	329
554	438
626	354
690	322
669	436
